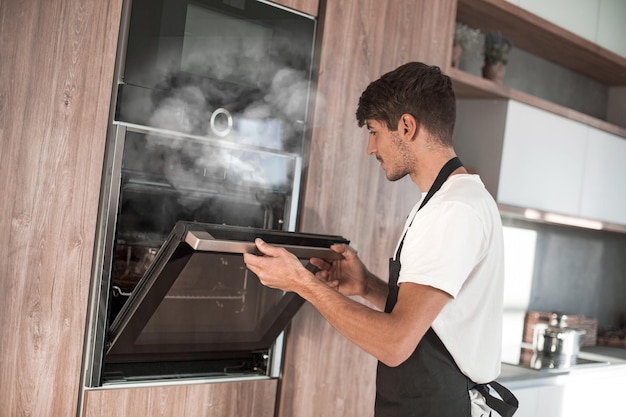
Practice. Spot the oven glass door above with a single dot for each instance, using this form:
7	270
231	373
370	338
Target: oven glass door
197	300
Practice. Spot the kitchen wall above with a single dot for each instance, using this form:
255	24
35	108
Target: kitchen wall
577	271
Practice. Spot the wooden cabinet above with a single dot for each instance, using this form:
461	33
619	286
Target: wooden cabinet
56	75
250	398
347	192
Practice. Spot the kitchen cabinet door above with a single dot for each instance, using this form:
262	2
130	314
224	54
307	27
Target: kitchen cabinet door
594	394
526	157
539	401
603	197
543	157
528	401
237	398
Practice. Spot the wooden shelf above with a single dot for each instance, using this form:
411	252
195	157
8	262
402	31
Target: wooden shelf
468	85
542	38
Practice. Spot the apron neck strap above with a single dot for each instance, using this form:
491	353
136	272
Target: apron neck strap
450	166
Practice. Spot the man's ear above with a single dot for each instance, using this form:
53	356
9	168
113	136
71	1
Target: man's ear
408	126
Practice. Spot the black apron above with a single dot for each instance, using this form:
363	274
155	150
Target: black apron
429	383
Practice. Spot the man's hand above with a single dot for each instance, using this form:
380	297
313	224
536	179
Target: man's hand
277	267
348	275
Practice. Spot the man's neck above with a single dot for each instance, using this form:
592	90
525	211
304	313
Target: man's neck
428	168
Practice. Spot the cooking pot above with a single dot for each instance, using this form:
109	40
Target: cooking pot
557	341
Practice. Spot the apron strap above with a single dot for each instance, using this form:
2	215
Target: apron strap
506	406
449	167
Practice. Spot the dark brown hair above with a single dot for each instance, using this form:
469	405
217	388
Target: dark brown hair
414	88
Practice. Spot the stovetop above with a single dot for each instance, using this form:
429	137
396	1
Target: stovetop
528	358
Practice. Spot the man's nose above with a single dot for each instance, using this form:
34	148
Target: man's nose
371	146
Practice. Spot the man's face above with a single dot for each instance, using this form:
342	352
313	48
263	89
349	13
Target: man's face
390	150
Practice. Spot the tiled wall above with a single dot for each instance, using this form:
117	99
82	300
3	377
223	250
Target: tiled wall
578	271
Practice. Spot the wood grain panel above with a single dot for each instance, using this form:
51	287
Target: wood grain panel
55	85
309	7
347	192
240	399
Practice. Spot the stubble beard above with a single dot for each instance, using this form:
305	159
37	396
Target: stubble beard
404	160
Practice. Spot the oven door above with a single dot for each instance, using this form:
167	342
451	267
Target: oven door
198	301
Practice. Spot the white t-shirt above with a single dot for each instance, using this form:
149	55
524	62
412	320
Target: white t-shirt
455	244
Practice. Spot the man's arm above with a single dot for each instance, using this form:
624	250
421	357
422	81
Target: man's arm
391	338
350	277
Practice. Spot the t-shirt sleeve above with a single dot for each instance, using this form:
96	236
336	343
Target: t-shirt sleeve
442	246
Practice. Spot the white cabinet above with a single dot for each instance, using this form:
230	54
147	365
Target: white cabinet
603	195
539	401
593	396
541	159
595	391
526	157
533	159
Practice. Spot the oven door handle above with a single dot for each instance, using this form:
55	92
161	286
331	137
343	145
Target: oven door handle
204	242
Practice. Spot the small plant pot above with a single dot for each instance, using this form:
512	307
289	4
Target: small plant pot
494	72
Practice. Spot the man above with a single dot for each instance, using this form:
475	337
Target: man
437	328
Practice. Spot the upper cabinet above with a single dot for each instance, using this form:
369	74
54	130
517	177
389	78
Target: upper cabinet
535	160
525	156
539	152
602	197
536	39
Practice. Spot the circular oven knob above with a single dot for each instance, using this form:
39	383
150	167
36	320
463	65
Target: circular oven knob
221	122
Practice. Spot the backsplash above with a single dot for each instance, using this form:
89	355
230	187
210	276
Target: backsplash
577	271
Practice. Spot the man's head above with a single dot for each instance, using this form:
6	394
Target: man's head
417	89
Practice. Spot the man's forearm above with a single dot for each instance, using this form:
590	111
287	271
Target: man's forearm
376	291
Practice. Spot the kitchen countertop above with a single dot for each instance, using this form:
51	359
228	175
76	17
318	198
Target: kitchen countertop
517	376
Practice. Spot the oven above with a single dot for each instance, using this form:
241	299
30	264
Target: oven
208	140
197	311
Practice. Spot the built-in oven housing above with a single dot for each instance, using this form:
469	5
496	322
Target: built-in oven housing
209	129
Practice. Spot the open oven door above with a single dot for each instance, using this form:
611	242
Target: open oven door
198	301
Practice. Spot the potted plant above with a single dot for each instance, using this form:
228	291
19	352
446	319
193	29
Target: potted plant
465	39
496	53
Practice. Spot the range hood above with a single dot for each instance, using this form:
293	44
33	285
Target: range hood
198	301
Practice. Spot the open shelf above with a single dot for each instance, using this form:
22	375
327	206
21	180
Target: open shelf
468	85
544	39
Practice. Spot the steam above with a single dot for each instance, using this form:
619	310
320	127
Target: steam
266	90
